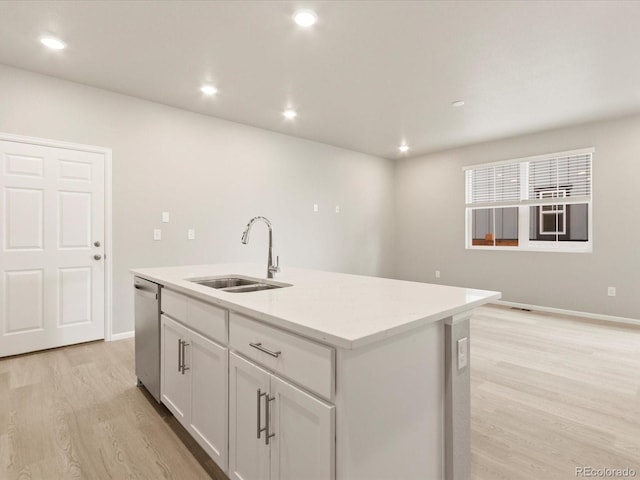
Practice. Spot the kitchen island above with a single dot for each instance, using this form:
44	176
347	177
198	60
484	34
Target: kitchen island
331	376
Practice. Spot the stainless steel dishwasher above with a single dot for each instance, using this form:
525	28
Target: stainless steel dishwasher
147	325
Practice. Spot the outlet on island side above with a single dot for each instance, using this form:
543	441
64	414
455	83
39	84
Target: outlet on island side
463	346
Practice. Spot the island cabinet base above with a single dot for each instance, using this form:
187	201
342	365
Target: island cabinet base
272	403
390	407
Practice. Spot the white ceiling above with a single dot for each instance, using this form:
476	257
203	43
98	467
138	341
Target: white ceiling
367	76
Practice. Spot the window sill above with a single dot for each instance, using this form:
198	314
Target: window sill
542	248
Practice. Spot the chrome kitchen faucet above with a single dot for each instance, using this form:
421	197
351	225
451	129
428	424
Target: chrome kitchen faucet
271	268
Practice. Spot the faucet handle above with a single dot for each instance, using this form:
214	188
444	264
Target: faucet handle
271	269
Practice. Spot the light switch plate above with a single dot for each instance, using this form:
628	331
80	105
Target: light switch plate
165	217
191	234
157	234
315	207
463	349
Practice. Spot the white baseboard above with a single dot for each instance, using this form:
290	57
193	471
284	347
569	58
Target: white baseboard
594	316
122	336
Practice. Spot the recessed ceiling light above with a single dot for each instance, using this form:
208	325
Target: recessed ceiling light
208	89
290	114
403	148
457	103
305	18
53	43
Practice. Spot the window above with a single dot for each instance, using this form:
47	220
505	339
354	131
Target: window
536	203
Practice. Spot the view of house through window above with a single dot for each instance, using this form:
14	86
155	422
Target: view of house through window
536	203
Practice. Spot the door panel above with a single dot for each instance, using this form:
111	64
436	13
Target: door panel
75	219
23	219
304	428
24	165
52	212
248	455
23	292
75	295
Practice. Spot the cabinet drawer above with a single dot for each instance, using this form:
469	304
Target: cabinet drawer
305	362
174	304
207	319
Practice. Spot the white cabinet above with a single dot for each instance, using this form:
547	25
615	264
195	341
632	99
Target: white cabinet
248	454
175	386
304	362
208	420
304	429
194	386
277	431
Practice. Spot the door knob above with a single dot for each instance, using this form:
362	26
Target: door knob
96	244
97	257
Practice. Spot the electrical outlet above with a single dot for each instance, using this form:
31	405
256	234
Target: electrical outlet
437	273
165	217
337	208
611	291
191	234
157	234
315	207
463	347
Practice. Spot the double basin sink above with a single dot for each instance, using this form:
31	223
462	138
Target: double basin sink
235	284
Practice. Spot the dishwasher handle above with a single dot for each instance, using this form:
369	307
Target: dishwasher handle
145	292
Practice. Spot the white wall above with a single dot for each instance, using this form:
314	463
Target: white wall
211	175
430	224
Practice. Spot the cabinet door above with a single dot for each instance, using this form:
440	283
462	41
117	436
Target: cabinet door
175	383
304	428
248	454
208	419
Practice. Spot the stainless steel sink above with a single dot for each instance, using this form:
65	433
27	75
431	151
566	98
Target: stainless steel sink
232	284
251	288
224	282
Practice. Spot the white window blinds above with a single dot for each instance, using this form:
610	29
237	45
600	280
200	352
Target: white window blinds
563	176
493	185
545	179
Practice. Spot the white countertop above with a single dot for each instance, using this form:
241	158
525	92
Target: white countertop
347	311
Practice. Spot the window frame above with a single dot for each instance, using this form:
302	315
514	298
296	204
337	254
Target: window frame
552	212
524	225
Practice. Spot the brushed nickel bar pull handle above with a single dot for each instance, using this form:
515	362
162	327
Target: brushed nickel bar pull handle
184	361
259	430
179	355
268	433
259	346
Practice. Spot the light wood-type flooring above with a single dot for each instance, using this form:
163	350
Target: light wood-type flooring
75	413
549	393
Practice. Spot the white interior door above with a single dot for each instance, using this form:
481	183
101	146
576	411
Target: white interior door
52	273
